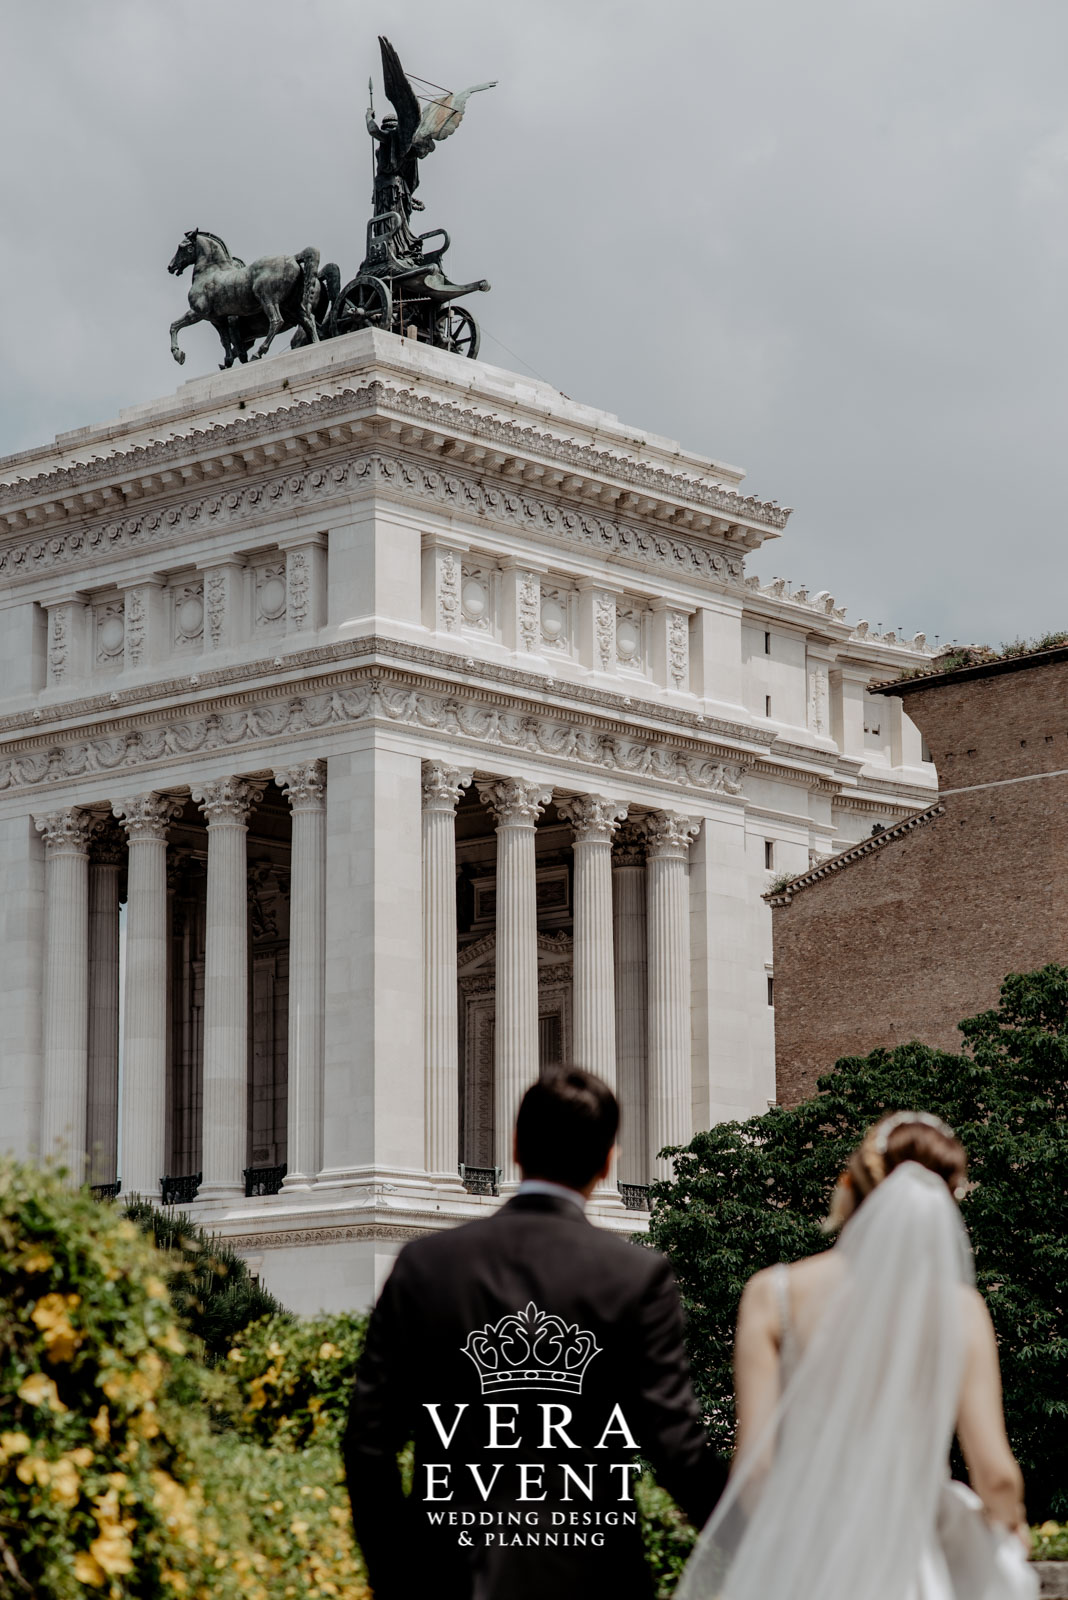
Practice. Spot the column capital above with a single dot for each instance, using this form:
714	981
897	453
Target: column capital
304	785
227	801
66	832
106	844
515	802
442	785
147	816
593	818
668	835
628	845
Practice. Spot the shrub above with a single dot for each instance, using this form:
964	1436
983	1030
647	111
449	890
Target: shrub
294	1378
111	1480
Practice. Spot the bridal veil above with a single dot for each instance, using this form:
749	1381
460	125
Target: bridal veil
838	1500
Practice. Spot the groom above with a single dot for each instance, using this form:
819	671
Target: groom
530	1357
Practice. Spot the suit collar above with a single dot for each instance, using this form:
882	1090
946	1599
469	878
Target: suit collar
547	1204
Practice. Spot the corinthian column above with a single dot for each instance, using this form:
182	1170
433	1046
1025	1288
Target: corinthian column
66	986
670	1112
632	1002
442	787
594	820
226	804
102	1132
146	818
516	804
306	788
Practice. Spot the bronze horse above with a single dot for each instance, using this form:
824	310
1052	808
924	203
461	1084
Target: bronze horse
242	303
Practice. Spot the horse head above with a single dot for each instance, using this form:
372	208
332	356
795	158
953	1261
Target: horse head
185	255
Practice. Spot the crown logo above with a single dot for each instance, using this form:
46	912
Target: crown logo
531	1349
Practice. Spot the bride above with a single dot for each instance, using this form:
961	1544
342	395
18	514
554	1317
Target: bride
853	1370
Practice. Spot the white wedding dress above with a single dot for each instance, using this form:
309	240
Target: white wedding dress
846	1497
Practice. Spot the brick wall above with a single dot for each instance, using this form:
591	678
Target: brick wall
907	939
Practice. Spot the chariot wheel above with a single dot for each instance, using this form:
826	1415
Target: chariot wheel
456	329
364	303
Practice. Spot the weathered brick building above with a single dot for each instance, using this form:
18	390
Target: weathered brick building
902	935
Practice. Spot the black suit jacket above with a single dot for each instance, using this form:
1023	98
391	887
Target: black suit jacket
519	1525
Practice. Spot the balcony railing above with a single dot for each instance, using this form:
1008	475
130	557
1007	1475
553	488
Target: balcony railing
105	1191
480	1180
179	1191
635	1196
264	1180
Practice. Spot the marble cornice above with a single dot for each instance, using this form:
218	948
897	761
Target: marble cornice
85	547
247	718
69	493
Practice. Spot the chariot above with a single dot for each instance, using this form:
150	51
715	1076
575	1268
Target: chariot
402	288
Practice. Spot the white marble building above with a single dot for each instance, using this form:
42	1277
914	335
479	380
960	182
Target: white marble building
428	726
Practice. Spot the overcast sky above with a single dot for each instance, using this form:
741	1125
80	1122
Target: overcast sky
825	240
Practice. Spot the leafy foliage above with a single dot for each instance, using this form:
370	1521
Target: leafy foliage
212	1290
294	1378
747	1194
111	1478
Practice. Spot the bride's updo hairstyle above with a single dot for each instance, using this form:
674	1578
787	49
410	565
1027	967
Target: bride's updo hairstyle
903	1136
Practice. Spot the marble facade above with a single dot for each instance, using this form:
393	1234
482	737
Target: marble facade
418	726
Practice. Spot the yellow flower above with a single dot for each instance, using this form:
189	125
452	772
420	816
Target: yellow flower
155	1288
82	1457
101	1426
298	1527
113	1551
13	1444
65	1484
39	1390
328	1351
1046	1529
87	1569
36	1261
171	1340
34	1469
236	1355
50	1315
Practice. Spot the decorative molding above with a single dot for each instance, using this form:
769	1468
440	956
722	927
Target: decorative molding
628	846
187	604
514	802
136	618
107	847
60	627
528	608
668	835
246	502
442	786
593	818
66	832
339	1235
465	713
147	816
818	719
215	602
297	583
227	801
304	785
604	626
845	858
678	650
449	593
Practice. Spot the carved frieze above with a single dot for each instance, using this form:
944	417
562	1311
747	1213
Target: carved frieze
187	607
678	652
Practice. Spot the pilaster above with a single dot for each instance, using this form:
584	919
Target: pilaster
226	604
670	645
145	632
305	582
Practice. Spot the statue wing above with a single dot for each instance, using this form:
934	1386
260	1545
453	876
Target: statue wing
400	94
442	116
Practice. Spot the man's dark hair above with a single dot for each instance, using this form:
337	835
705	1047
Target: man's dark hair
566	1126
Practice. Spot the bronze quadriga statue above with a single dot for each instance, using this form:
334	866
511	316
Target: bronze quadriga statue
400	287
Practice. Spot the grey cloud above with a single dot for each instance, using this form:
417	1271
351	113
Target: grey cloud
827	241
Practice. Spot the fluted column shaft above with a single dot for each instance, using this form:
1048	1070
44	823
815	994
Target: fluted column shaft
594	820
102	1111
632	1004
442	786
66	986
668	930
146	818
516	804
306	788
226	805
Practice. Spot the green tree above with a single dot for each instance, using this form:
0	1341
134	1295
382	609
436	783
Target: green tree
746	1194
211	1287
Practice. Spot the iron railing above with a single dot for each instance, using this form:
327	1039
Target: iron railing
179	1191
635	1196
105	1191
480	1180
264	1180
